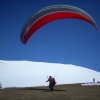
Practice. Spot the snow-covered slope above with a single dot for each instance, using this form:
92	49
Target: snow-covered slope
28	73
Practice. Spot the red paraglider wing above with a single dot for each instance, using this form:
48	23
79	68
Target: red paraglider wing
33	25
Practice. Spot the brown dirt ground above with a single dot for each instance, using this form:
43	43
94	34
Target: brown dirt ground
61	92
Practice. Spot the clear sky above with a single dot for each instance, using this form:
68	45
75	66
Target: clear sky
67	41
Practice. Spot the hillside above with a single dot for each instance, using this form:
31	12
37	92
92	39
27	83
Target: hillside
28	73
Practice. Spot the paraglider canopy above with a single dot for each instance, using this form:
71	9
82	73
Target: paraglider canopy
49	14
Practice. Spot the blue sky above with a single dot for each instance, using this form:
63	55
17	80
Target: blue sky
67	41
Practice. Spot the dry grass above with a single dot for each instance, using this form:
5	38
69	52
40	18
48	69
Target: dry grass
61	92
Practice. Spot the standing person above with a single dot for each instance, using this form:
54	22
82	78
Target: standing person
52	82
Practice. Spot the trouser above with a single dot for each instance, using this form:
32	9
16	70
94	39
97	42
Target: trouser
51	85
